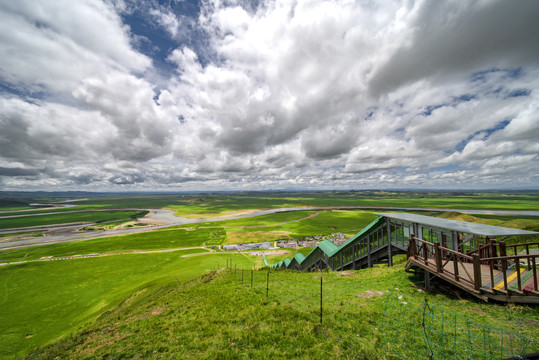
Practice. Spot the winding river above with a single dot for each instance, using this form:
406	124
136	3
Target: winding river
168	219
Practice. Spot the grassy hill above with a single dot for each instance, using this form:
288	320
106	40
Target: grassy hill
219	315
144	297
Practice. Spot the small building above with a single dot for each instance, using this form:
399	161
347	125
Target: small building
309	243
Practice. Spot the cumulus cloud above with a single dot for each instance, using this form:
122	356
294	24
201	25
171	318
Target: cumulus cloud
313	94
454	37
51	45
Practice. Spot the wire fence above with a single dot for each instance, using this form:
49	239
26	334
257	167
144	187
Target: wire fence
426	331
416	330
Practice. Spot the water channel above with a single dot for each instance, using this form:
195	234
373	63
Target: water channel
168	219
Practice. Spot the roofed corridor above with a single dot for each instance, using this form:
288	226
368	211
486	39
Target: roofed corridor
471	256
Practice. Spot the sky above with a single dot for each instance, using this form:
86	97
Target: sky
124	95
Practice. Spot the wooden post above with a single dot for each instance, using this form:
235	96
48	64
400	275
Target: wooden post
503	251
529	259
425	253
504	263
413	249
476	272
438	257
456	266
534	274
517	269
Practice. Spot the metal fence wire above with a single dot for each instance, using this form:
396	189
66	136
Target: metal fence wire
425	331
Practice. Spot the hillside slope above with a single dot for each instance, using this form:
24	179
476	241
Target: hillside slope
219	315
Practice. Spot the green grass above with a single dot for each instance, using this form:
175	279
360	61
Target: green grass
269	227
327	222
223	203
42	301
74	217
153	240
218	316
262	220
216	204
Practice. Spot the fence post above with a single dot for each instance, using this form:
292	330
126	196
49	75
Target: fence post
321	291
438	257
267	286
476	271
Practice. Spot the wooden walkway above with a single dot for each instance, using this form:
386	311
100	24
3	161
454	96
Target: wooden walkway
502	278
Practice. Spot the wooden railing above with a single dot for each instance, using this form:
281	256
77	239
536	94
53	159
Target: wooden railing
531	260
435	256
459	258
486	251
438	256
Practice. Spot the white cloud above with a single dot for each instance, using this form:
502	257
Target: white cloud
167	20
294	93
52	45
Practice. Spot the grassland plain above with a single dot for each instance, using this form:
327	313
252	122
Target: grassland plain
51	285
74	217
218	203
290	225
220	316
42	301
151	240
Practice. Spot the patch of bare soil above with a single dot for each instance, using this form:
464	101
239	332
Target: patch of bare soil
371	293
345	273
157	311
63	231
149	222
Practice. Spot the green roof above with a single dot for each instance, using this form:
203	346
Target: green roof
328	247
287	262
299	257
366	229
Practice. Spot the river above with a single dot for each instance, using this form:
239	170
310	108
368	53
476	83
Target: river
167	216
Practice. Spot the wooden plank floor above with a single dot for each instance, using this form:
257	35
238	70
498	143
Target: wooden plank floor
465	271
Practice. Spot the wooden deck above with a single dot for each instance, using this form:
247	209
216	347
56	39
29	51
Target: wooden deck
488	278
